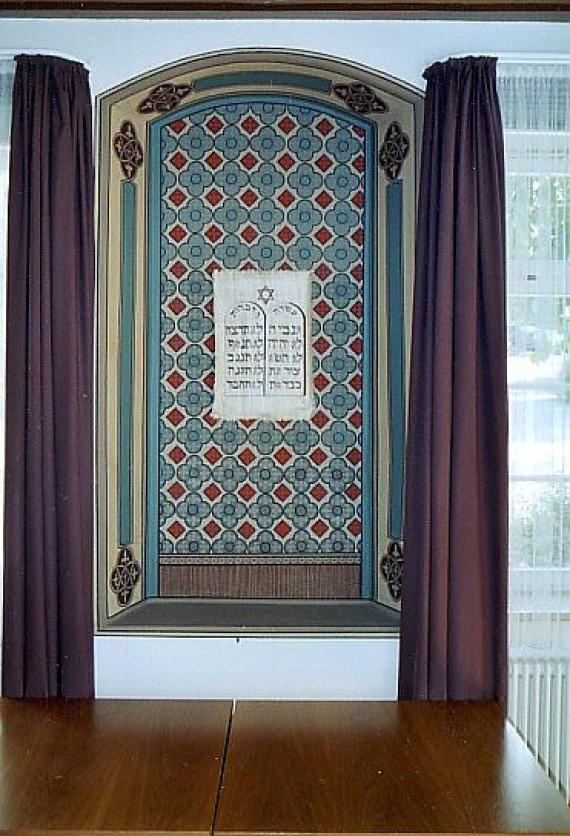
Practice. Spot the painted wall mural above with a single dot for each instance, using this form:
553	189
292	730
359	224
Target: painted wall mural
267	186
294	179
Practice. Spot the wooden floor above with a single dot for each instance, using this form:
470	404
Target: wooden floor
158	767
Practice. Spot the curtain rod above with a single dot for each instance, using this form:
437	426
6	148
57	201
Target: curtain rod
11	53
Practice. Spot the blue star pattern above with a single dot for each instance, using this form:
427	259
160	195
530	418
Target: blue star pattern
264	185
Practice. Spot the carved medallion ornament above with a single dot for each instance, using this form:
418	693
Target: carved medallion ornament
128	149
125	576
391	566
360	98
165	97
394	151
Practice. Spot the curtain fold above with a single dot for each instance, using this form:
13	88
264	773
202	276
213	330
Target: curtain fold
454	596
48	629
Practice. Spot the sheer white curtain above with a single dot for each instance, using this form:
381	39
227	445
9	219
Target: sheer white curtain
535	101
7	67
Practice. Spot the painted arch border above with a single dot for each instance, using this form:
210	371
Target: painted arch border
291	72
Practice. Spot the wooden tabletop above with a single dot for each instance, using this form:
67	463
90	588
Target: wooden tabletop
309	768
115	766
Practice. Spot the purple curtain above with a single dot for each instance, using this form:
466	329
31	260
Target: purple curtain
48	628
454	596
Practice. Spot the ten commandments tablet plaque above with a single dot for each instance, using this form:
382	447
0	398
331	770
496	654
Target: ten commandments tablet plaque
263	341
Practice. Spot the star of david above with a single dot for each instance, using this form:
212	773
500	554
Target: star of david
265	294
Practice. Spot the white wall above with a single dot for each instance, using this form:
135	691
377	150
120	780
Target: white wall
115	50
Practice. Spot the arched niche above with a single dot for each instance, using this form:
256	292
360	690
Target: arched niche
267	162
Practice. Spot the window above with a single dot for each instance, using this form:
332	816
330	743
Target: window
535	100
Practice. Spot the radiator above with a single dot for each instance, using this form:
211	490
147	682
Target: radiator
539	709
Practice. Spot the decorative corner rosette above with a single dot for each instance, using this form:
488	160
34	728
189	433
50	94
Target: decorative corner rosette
164	97
128	149
394	150
125	575
392	567
360	98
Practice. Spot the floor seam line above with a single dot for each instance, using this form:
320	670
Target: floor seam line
222	770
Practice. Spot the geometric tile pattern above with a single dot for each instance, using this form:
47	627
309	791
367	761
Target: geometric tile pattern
267	185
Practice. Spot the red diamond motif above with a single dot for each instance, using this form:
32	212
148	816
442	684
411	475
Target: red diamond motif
176	306
210	343
209	380
285	234
358	236
176	529
210	419
357	309
318	492
354	456
323	272
212	267
286	198
249	234
246	456
286	162
209	307
176	342
323	235
175	417
358	131
249	161
211	529
324	199
282	455
324	162
176	490
286	125
178	269
178	160
324	127
213	160
177	126
246	422
319	419
214	124
212	492
356	345
247	266
355	527
247	492
250	125
319	528
358	200
213	197
321	382
357	272
284	266
321	345
356	419
283	424
249	197
177	197
356	383
213	234
282	529
177	233
213	455
175	380
177	454
322	308
246	530
282	492
358	163
353	491
318	456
